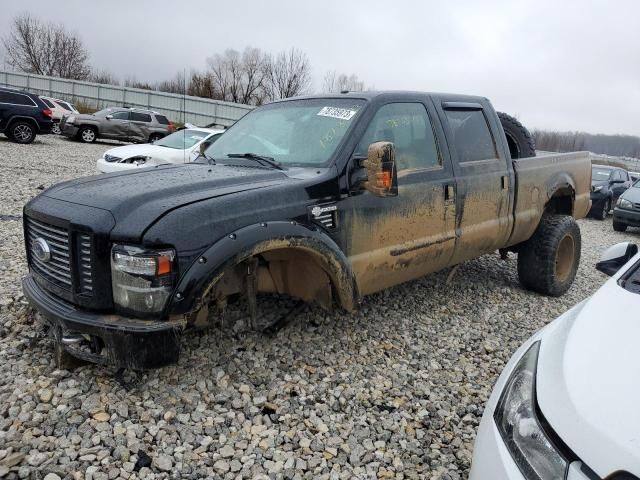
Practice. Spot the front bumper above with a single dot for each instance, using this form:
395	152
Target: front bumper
628	217
110	339
69	130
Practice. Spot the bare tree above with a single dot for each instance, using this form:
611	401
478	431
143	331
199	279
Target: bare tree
335	83
287	75
239	77
105	77
45	49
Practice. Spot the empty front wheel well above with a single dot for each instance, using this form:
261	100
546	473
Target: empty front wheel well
297	272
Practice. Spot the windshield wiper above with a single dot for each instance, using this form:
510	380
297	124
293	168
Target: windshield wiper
261	159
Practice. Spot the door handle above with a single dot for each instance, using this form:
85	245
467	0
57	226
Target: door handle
504	181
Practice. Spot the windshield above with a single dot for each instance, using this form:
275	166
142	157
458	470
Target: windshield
182	139
600	174
293	133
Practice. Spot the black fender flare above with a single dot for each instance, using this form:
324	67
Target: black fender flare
251	240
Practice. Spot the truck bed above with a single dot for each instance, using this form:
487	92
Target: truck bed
537	178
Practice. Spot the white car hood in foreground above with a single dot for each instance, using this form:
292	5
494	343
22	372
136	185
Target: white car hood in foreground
157	153
588	380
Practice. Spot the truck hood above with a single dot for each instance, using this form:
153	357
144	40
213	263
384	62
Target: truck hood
587	380
136	199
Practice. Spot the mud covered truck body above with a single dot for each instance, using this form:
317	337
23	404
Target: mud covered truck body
325	199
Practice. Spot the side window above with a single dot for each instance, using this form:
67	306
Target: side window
140	117
121	115
407	125
471	135
16	99
47	103
162	120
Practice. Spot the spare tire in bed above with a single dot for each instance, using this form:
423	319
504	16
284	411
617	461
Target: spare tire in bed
521	144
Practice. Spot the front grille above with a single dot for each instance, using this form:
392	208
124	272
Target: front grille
57	268
84	255
69	265
636	206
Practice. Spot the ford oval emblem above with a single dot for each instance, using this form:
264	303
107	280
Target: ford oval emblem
41	250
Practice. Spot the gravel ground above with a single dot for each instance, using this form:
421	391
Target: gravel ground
395	390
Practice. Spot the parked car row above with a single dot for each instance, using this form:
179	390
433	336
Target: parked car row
23	115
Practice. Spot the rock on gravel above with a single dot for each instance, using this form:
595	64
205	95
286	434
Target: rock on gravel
393	390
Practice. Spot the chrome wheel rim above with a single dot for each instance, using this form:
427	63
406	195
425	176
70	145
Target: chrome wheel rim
88	135
22	133
55	129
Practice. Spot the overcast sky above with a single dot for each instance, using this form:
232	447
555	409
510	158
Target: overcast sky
567	65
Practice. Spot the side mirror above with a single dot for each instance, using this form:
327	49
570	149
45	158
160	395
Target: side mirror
109	117
203	147
615	257
382	177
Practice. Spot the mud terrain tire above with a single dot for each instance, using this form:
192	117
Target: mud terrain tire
520	140
548	261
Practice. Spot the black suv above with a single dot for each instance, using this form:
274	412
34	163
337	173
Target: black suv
23	115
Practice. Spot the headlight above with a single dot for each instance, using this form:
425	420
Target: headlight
622	203
71	119
142	280
515	416
598	188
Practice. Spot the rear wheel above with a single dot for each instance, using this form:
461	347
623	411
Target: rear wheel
22	132
87	134
55	128
548	261
619	226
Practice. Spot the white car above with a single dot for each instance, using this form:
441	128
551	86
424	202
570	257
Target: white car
182	146
566	405
59	108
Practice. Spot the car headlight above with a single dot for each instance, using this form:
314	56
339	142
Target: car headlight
529	445
598	188
142	280
622	203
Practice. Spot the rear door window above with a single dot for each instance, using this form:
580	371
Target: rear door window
140	117
47	103
472	138
162	120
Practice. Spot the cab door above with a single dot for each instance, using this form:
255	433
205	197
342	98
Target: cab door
395	239
484	178
116	125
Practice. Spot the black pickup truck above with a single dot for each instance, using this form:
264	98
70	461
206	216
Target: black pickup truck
325	199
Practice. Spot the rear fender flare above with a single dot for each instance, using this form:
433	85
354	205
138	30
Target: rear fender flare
252	240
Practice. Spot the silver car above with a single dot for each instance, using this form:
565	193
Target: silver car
127	124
